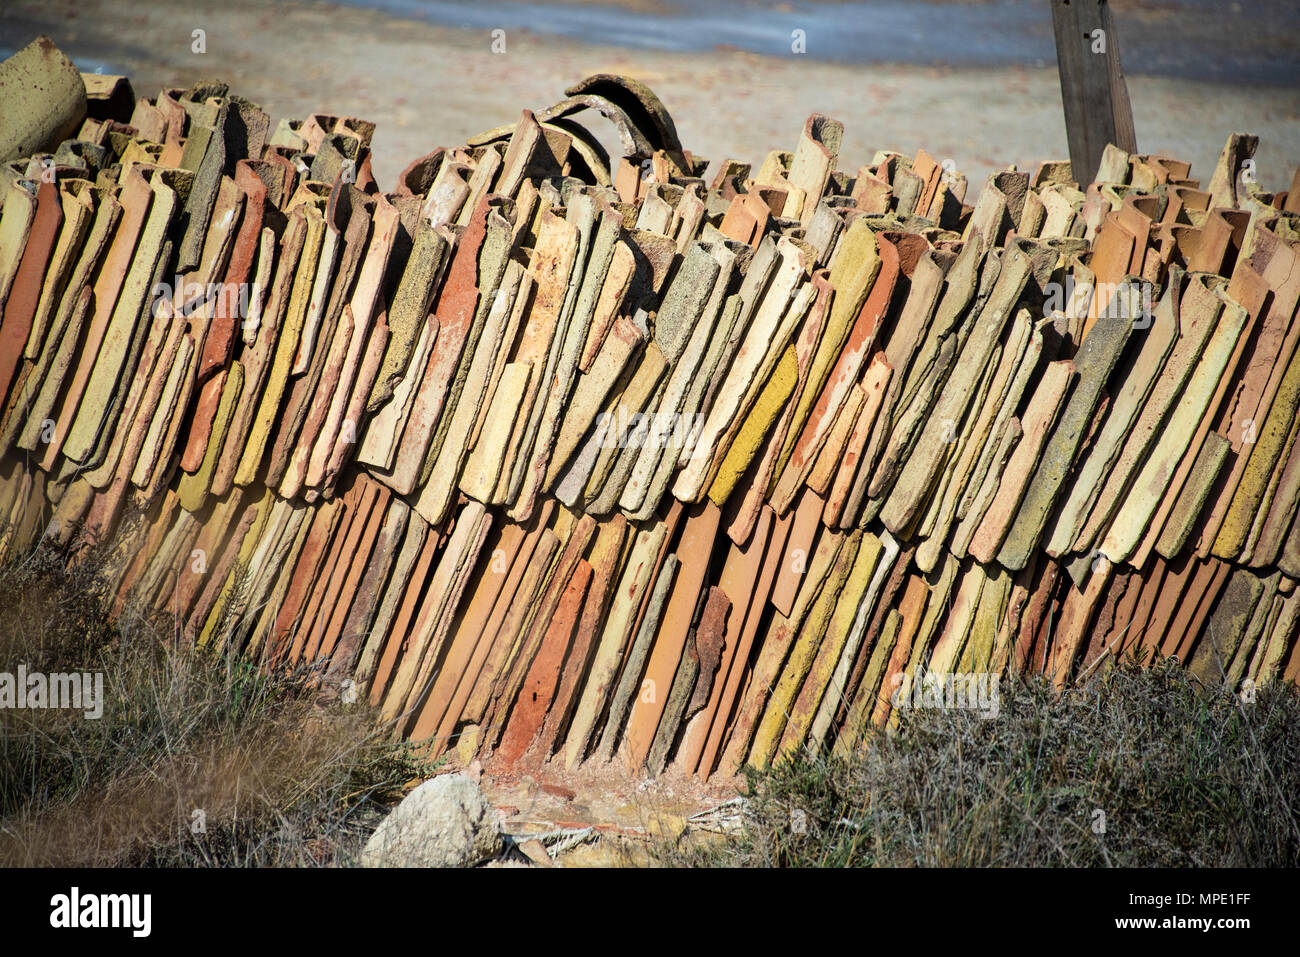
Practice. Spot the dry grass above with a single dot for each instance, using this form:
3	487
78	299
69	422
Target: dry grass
1184	778
281	779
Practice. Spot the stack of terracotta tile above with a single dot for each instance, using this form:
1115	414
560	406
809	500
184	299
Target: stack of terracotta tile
557	457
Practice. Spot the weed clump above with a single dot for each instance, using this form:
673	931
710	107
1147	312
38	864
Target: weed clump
1138	768
198	758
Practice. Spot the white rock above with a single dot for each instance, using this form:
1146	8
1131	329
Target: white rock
445	822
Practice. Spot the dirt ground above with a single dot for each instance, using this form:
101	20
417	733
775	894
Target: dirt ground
615	818
427	86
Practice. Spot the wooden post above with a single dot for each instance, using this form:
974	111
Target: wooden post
1093	90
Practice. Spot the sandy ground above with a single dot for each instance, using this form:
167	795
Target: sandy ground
428	86
625	816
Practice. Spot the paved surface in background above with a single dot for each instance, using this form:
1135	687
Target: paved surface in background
1253	42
